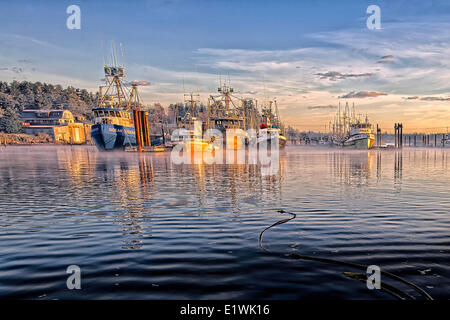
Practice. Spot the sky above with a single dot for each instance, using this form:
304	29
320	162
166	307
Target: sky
309	55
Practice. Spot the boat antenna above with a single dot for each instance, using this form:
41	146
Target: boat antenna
184	94
116	56
112	52
121	51
264	91
103	52
341	125
198	92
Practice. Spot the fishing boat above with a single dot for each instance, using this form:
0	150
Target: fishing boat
350	132
360	136
194	142
270	129
113	119
228	117
113	127
189	132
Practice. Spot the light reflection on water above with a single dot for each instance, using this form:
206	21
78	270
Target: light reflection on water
141	227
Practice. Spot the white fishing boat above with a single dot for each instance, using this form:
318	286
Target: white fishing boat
350	131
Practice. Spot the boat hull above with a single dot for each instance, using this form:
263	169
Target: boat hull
365	142
110	137
281	141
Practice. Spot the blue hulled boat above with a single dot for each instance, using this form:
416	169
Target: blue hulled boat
114	124
113	129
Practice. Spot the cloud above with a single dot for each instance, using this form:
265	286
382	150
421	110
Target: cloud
429	98
363	94
384	61
334	75
322	107
434	99
420	51
140	83
16	70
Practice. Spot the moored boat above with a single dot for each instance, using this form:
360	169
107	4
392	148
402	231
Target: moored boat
360	137
350	132
271	128
114	124
226	117
113	127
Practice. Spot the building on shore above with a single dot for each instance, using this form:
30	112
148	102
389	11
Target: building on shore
61	125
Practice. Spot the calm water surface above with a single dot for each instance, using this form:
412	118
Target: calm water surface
141	227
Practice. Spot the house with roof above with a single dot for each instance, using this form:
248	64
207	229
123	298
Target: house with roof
61	125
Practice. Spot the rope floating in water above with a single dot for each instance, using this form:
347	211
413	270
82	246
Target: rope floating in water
385	287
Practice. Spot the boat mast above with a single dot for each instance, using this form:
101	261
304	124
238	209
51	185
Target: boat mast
277	113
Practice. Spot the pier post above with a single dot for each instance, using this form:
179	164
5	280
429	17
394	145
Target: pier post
415	141
395	135
401	135
378	136
142	129
137	127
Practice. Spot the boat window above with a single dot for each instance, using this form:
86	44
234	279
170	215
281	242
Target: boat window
100	113
118	114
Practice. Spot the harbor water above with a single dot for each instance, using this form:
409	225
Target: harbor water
140	227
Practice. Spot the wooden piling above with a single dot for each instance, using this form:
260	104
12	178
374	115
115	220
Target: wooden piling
142	129
398	128
137	127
